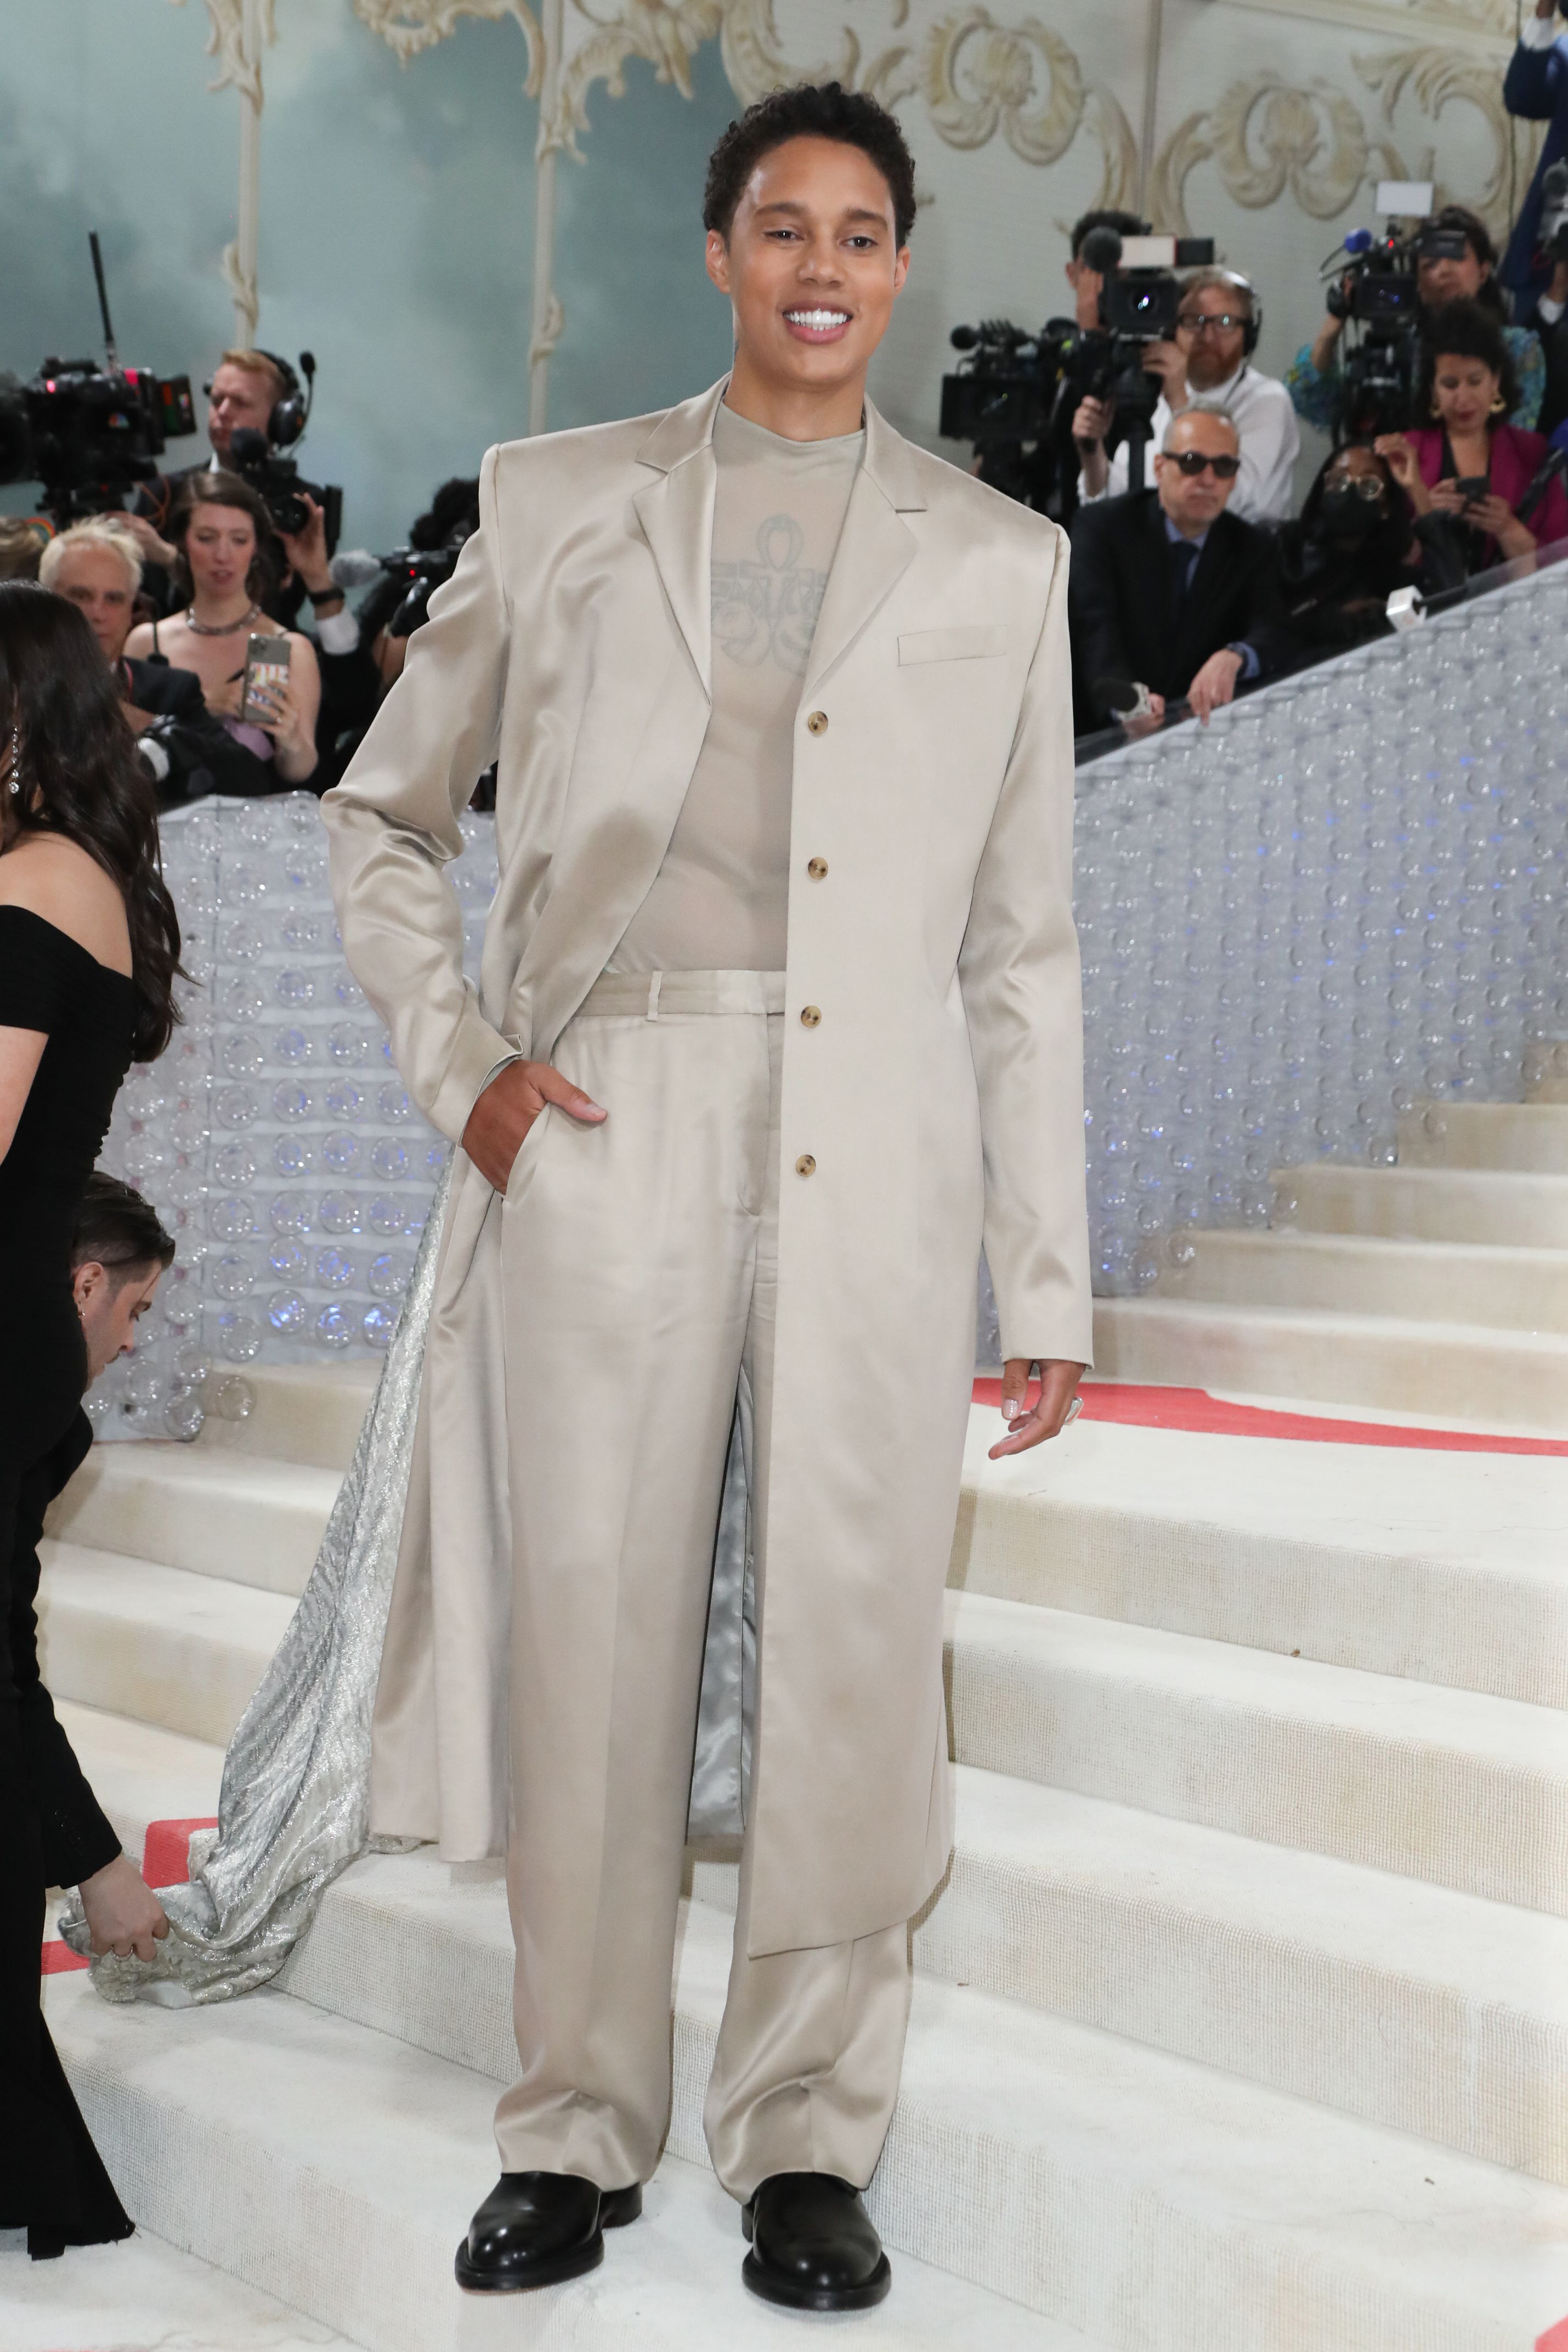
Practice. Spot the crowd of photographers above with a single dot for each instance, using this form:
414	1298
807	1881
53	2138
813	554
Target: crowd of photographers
196	590
1438	373
1172	458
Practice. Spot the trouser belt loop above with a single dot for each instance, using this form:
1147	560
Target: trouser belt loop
654	979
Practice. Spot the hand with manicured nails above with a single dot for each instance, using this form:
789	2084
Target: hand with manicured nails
1059	1381
508	1107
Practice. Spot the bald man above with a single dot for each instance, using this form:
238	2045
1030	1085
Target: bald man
1169	590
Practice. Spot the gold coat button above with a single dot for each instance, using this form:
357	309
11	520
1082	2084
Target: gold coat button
816	868
817	722
809	1015
805	1165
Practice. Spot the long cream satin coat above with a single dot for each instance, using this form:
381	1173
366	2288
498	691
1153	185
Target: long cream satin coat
940	1096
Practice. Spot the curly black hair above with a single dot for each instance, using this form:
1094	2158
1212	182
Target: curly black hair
1463	331
810	110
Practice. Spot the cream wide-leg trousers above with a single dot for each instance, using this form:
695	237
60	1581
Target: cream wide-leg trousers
639	1264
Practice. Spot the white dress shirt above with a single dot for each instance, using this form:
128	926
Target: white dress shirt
1270	439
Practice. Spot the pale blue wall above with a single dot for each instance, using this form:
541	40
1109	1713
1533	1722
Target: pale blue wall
397	229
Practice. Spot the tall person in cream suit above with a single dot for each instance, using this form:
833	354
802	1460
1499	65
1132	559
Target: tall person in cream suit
779	1016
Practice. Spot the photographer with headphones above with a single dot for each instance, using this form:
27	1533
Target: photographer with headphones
1217	326
253	391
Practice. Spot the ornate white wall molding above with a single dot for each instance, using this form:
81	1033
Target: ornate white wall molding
993	74
409	27
1268	136
240	29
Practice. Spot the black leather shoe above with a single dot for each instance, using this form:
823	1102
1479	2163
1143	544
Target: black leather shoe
536	2228
812	2244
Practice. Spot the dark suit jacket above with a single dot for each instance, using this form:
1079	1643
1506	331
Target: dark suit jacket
1122	601
1535	88
76	1836
204	757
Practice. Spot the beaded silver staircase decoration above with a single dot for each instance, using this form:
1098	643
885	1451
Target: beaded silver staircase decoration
1343	897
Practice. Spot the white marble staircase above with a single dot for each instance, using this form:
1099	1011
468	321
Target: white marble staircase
1435	1288
1241	2025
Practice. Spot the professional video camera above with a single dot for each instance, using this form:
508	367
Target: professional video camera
1015	396
1373	286
89	433
417	571
275	480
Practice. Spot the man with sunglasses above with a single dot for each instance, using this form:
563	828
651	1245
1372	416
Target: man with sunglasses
1169	590
1210	360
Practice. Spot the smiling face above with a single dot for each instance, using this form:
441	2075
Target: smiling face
1463	391
220	548
95	580
813	266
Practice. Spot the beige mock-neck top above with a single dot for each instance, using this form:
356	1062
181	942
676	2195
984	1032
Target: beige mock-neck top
719	900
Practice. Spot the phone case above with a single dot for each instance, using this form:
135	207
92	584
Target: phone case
266	665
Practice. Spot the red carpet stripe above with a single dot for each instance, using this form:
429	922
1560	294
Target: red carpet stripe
1555	2338
1195	1410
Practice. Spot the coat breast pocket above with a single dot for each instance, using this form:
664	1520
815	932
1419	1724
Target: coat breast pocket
978	644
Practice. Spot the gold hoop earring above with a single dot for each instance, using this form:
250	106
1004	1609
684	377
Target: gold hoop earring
1498	404
1435	410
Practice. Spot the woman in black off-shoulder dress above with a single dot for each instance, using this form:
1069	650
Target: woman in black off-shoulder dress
80	899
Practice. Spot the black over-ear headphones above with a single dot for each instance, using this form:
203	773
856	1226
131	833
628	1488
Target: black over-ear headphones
289	416
286	422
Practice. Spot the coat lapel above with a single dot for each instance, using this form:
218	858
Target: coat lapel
609	852
675	511
876	547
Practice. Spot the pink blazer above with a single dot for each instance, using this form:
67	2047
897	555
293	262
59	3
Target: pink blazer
1516	458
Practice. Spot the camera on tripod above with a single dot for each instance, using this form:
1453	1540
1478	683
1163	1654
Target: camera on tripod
276	480
1013	396
89	433
1375	287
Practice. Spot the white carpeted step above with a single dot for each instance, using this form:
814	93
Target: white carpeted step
246	1518
1405	2004
1464	1370
1444	1566
1140	2197
343	2166
1517	1136
141	2295
294	1413
1348	1273
1464	1790
154	1642
1429	1205
141	1773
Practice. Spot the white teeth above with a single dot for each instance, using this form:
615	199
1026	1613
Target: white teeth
817	318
